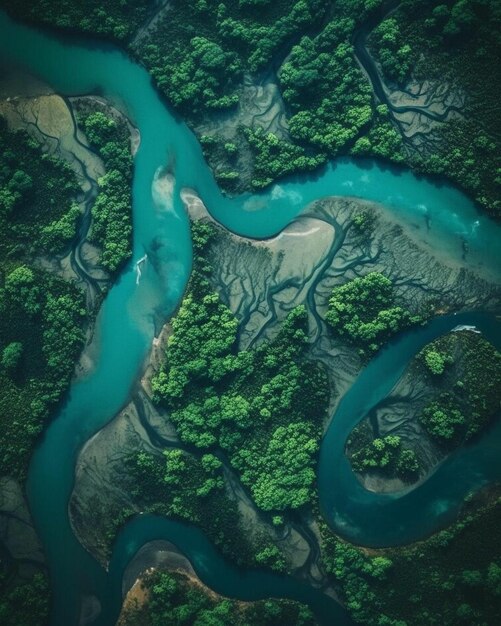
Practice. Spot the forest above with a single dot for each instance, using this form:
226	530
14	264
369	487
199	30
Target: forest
111	229
453	577
258	415
172	599
43	315
200	50
364	312
244	403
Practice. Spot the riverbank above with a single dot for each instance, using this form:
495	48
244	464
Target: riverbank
156	556
331	250
44	240
127	313
442	401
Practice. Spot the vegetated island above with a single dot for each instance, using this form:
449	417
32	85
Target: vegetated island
260	83
208	441
448	395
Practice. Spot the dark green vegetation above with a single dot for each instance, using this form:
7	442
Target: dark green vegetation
41	316
118	19
454	577
23	601
264	408
329	101
385	455
111	227
275	157
191	488
172	599
199	50
219	151
469	393
363	311
457	42
459	375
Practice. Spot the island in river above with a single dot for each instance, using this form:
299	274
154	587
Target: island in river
236	423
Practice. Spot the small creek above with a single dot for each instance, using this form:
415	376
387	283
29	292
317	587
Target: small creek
437	212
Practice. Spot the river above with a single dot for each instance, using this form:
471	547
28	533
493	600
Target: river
442	215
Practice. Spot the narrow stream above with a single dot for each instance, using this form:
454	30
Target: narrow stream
439	213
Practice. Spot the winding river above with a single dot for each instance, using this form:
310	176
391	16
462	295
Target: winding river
446	218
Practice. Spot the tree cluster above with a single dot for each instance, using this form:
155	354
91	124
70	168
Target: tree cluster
23	602
329	97
263	408
387	456
118	19
452	577
111	227
172	599
364	312
191	488
456	43
42	317
459	361
199	50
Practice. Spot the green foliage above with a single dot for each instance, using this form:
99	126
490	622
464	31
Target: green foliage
326	90
25	603
198	51
383	139
173	599
363	311
61	232
11	355
456	362
387	455
191	489
31	220
473	397
117	19
274	158
470	157
263	408
435	361
111	227
356	572
280	476
456	43
271	557
363	222
395	55
453	577
42	317
442	420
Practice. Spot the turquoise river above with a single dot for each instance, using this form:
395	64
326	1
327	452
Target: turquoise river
446	218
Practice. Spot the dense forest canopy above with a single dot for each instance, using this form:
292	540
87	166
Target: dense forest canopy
410	83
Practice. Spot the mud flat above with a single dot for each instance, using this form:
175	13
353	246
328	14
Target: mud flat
261	281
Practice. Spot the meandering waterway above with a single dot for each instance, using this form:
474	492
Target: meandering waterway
446	218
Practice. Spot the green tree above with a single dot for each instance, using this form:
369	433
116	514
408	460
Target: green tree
11	355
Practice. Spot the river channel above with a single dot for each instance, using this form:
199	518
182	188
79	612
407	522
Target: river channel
125	327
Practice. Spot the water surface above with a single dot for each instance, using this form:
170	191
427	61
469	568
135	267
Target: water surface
443	217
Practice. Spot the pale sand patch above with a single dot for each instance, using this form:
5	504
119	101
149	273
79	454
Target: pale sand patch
162	190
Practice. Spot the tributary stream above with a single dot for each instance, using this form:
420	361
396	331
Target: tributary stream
443	216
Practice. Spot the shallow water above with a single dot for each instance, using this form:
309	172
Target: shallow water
443	217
